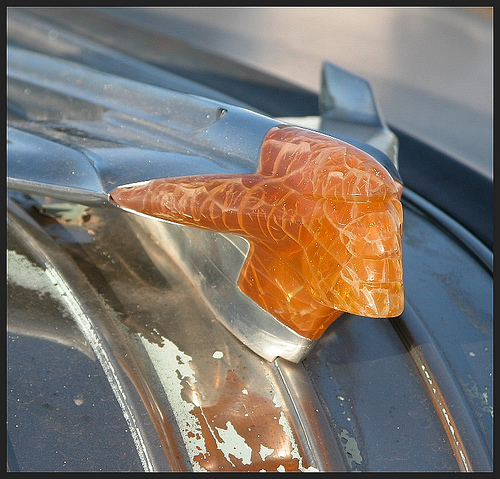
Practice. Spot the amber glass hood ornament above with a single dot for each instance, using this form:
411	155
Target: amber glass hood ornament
323	219
279	228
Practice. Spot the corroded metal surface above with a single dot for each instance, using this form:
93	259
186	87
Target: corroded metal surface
211	404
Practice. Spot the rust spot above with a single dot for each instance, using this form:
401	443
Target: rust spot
256	419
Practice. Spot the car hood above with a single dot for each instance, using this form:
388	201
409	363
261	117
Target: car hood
107	297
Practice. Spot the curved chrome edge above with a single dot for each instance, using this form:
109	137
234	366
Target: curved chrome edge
437	377
317	432
467	239
85	306
155	132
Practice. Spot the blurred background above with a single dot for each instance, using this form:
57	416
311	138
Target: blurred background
431	68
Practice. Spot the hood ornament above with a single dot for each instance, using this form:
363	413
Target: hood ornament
323	220
294	227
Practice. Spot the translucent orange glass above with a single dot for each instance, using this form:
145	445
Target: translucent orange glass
323	219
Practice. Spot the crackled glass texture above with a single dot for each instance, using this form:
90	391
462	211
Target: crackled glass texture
323	219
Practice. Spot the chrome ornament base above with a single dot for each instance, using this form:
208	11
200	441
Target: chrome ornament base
212	261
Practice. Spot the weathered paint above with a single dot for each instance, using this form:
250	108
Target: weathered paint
288	431
21	271
232	443
244	430
265	451
351	449
174	370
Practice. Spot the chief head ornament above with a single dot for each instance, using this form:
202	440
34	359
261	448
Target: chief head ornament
323	219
